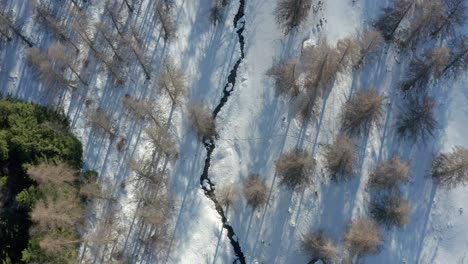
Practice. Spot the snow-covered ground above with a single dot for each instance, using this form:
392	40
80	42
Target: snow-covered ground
255	127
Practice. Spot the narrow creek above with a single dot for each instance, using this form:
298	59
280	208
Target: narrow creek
205	182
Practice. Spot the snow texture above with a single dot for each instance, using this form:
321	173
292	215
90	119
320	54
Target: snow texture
255	127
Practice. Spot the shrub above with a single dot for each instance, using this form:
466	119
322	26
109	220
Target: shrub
451	169
203	121
318	246
389	173
363	237
391	211
362	111
255	191
295	168
340	158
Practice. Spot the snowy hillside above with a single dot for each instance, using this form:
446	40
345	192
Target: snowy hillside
225	67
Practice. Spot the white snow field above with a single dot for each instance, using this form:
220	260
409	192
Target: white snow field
255	127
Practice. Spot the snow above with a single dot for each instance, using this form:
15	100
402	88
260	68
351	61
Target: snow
255	127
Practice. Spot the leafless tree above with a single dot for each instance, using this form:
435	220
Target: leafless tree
143	110
321	66
340	158
101	119
156	210
112	41
368	42
430	10
172	81
163	12
146	171
227	195
290	14
57	53
63	212
295	168
420	70
45	70
363	237
138	48
458	58
362	111
320	247
58	28
389	173
116	16
285	77
203	121
450	170
8	26
392	17
453	15
417	122
255	191
58	244
163	141
349	53
392	210
59	173
217	10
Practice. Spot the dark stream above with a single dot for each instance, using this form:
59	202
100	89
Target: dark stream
205	182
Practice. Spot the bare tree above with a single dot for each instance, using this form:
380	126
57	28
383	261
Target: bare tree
321	66
203	121
290	14
285	77
420	70
295	168
163	12
450	170
227	195
340	158
172	81
45	70
138	48
368	42
8	26
58	244
101	119
143	110
453	15
57	27
112	41
390	211
417	122
58	54
362	111
363	237
389	173
156	210
458	58
430	10
392	17
53	173
146	171
320	247
349	53
255	191
217	10
63	212
116	16
163	141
